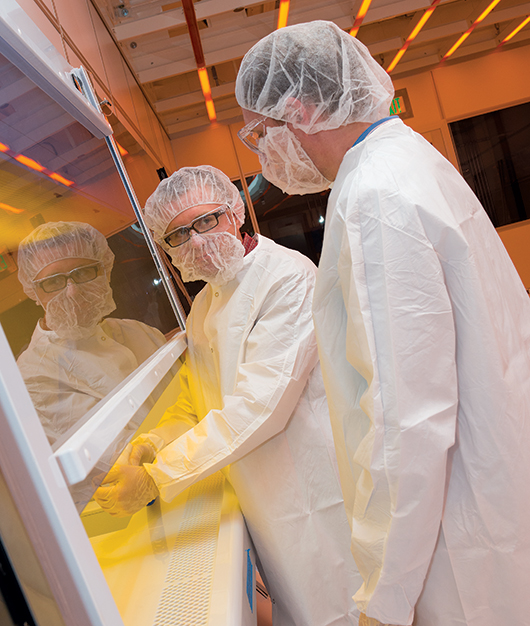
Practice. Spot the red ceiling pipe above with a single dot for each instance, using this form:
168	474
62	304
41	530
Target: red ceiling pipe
193	29
191	21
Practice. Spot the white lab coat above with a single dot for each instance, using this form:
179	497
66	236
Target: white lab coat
253	392
423	330
67	377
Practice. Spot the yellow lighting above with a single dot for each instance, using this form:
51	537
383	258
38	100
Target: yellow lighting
486	12
421	24
516	30
283	13
360	17
3	147
61	179
10	209
413	35
457	44
29	163
205	82
207	93
122	150
212	116
396	60
468	32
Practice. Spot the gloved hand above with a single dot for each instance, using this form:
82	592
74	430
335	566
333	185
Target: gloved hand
370	621
141	452
125	490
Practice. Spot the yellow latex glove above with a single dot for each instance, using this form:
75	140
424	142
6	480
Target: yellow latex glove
141	452
125	490
370	621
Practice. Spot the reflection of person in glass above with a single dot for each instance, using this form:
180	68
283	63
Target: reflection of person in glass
75	357
252	396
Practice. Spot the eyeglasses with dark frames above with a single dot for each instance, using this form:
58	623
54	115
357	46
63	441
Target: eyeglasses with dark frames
78	275
200	225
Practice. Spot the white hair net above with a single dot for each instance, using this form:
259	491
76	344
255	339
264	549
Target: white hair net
324	68
60	240
189	187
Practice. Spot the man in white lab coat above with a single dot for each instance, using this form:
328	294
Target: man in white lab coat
423	330
252	402
75	357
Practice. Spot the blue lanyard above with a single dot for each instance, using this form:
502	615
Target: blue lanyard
371	128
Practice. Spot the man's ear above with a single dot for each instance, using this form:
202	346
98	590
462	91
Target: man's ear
297	113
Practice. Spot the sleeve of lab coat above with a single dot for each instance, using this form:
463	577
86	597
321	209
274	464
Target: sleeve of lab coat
399	311
278	356
178	419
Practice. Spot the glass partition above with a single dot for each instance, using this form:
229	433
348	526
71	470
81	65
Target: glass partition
494	154
81	300
89	311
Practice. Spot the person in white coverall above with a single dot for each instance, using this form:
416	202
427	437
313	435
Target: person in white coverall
75	357
252	397
423	332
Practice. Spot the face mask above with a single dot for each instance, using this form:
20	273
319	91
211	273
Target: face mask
286	164
75	311
213	257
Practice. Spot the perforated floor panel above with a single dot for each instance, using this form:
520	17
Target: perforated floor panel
185	598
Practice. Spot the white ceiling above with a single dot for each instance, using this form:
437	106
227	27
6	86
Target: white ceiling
153	36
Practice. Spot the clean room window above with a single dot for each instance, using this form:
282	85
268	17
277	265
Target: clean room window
296	222
494	154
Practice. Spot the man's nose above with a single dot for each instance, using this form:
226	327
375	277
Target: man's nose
70	284
195	239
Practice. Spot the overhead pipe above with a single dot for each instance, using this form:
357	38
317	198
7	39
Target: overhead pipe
196	44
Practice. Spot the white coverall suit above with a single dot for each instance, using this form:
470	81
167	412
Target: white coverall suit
67	377
253	396
423	330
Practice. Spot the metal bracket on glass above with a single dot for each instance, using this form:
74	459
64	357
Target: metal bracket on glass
79	454
164	274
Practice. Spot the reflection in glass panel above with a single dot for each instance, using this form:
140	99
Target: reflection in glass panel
75	336
295	222
164	393
494	154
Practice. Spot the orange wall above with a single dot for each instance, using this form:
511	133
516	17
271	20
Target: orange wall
218	146
464	89
516	239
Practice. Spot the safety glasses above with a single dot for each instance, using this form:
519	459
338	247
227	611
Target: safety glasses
200	225
79	275
252	133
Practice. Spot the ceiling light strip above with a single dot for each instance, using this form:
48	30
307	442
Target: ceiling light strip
196	44
34	165
10	209
360	17
207	93
468	32
516	30
414	33
283	14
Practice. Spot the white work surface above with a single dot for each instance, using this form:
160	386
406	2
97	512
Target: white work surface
186	563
